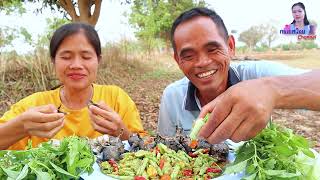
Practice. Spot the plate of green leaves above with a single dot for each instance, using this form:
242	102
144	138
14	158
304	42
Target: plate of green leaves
276	153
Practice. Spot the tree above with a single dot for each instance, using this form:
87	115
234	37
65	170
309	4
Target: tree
10	6
52	25
88	10
271	34
153	18
7	35
252	36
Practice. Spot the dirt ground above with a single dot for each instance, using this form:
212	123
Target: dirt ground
303	122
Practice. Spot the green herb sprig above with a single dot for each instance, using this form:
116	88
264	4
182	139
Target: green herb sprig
67	161
275	153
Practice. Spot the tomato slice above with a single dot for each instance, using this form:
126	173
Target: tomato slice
139	178
187	172
213	170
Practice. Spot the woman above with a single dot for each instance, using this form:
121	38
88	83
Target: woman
300	23
75	52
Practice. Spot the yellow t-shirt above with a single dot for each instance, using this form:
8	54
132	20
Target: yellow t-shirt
77	122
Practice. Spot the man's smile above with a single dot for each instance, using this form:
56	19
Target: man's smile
206	74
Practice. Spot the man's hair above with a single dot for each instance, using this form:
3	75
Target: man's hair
196	12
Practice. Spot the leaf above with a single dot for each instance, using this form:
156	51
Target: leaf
275	172
10	173
59	169
23	173
43	175
251	177
245	152
251	169
308	152
84	162
283	150
236	168
289	175
270	163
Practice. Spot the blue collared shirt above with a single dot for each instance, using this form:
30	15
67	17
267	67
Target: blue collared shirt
180	105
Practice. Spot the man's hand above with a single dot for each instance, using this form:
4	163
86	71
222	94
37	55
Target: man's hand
106	121
42	121
239	113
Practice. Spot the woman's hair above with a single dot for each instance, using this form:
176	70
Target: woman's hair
72	28
305	20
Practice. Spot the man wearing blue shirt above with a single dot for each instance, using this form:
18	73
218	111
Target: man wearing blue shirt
240	96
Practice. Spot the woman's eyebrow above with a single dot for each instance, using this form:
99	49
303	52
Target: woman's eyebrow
65	52
87	52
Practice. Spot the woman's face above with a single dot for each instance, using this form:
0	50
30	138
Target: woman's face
76	62
298	13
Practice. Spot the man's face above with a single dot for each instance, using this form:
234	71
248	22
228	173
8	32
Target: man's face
203	54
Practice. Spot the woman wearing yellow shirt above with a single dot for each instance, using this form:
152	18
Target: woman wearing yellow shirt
75	51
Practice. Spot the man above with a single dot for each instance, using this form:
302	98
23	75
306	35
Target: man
239	96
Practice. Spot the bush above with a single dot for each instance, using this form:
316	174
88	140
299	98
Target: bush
262	48
308	44
242	49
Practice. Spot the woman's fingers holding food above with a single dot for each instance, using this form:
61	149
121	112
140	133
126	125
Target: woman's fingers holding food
47	134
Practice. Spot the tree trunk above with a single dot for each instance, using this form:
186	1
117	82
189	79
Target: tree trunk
168	42
85	14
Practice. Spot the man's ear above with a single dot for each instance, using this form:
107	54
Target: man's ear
99	58
231	46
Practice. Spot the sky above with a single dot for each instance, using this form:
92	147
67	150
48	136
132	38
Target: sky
112	25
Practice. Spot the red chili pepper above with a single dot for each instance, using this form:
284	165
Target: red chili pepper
139	178
205	151
192	155
187	172
213	170
114	164
161	163
207	177
157	150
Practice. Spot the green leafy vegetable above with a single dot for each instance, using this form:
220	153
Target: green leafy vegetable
67	161
276	153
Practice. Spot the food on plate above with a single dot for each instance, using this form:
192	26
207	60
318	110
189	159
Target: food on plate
107	147
163	162
159	157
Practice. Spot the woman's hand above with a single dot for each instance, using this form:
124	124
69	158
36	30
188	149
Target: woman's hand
106	121
42	121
